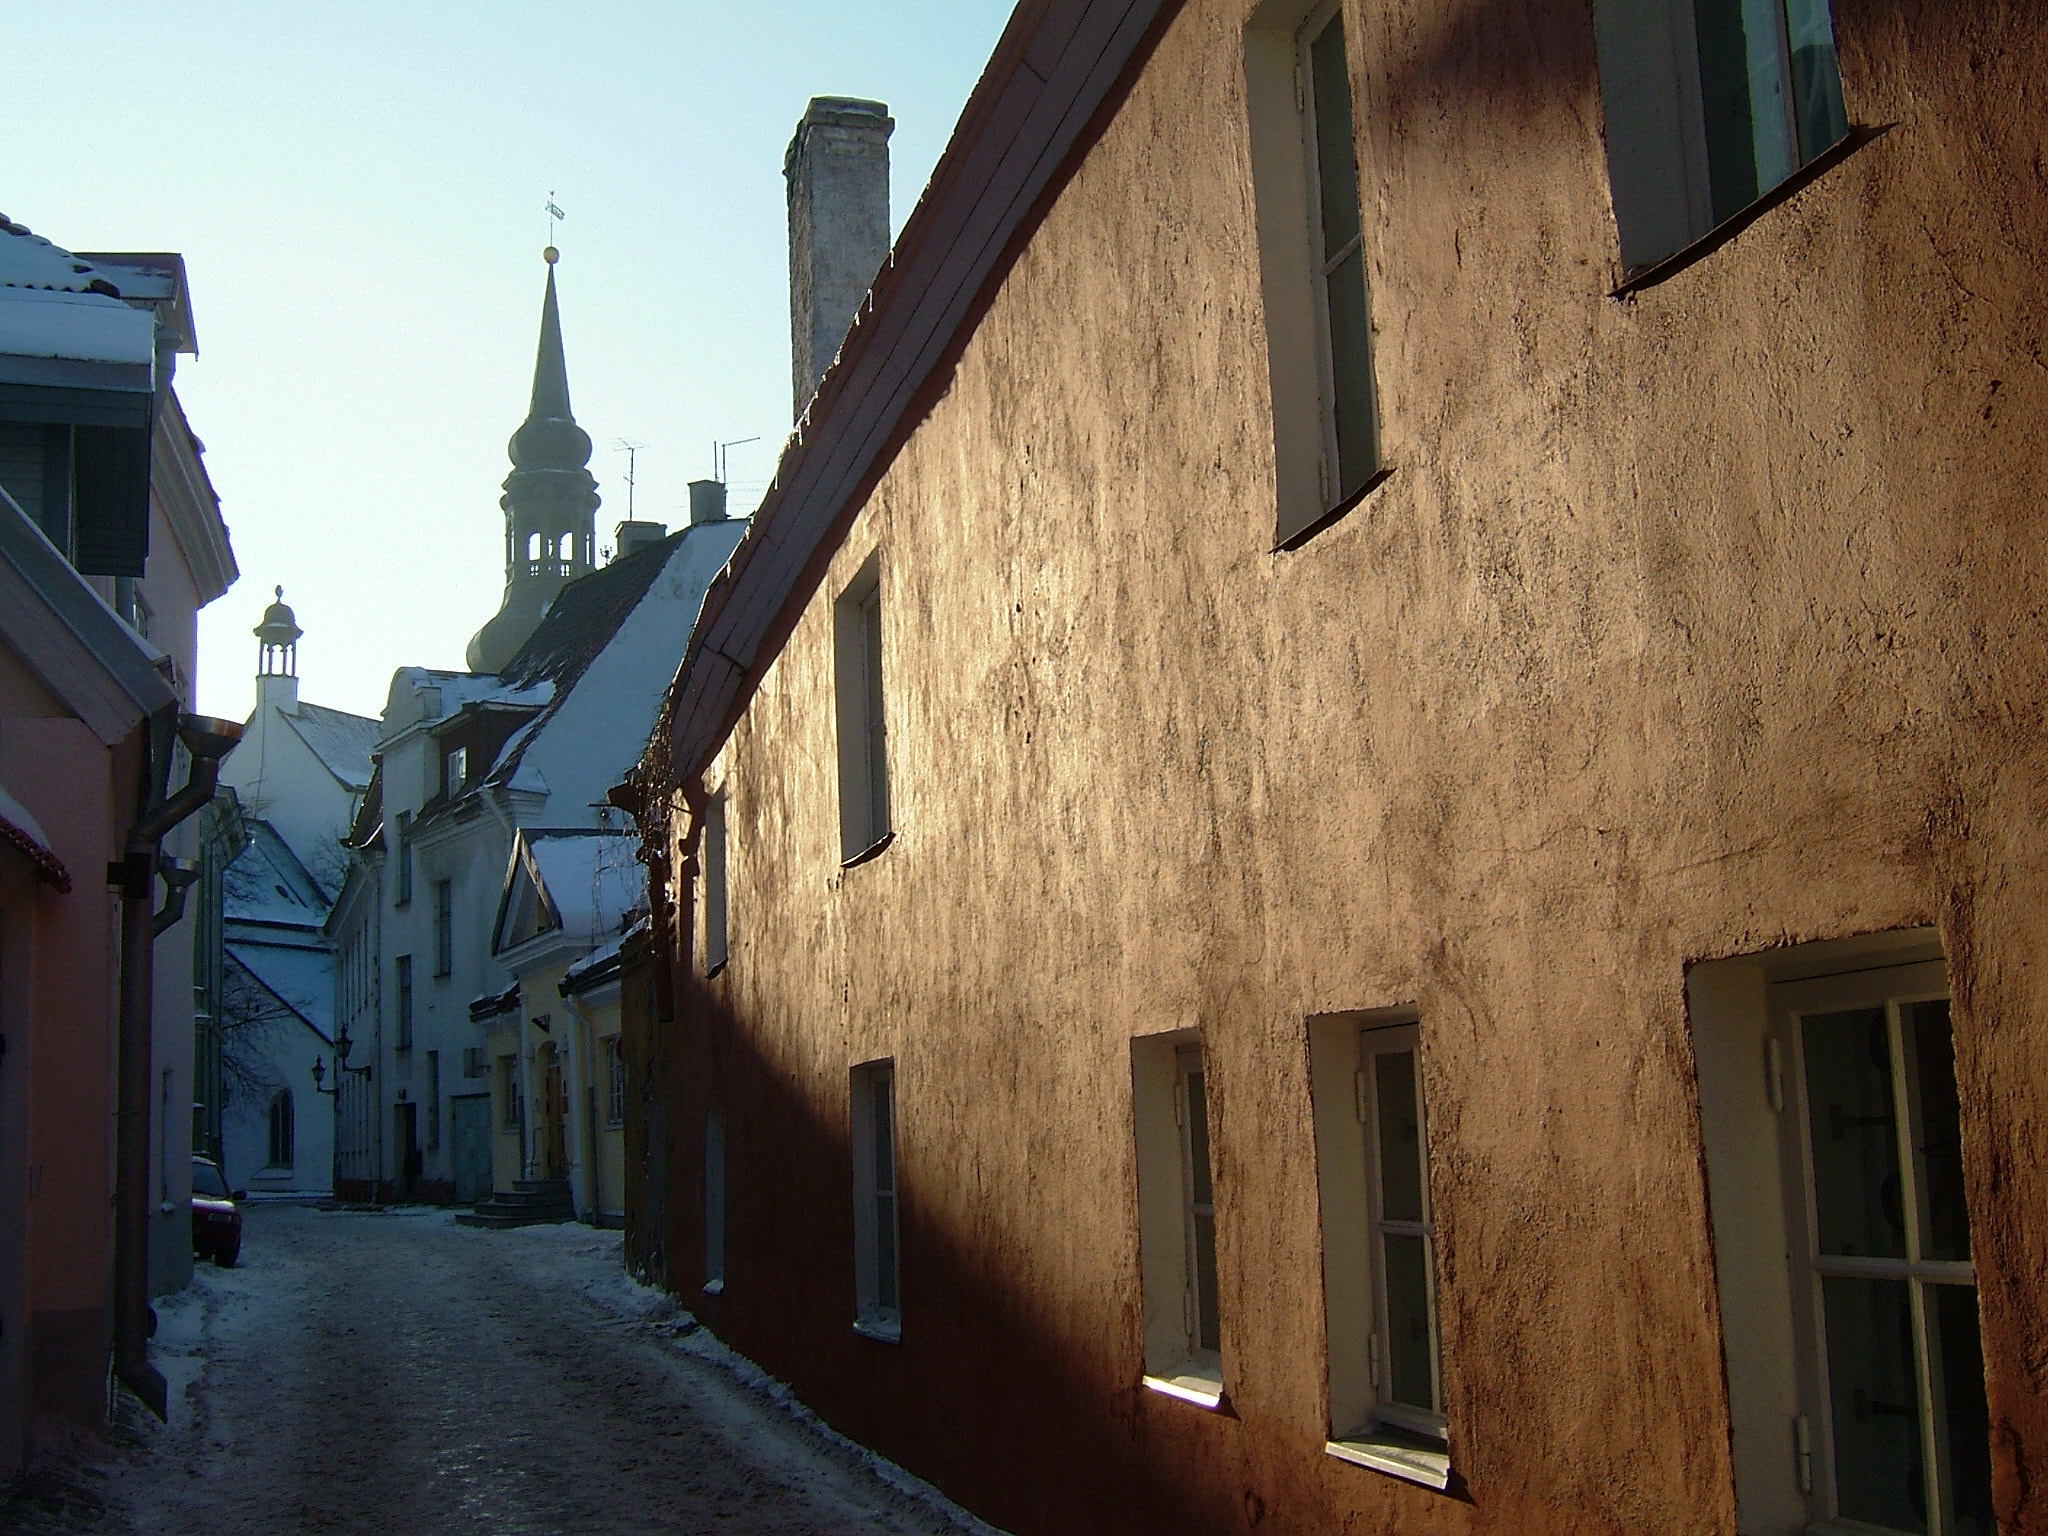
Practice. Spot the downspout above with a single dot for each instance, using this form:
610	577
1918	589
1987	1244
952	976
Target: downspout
593	1152
208	740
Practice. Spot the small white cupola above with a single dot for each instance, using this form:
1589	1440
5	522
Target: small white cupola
277	657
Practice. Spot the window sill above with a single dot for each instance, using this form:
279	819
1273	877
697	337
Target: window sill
1301	536
883	1330
1398	1456
715	969
870	851
1190	1386
1710	242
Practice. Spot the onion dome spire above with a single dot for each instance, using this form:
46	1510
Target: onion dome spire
550	499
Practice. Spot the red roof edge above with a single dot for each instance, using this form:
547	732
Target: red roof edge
47	864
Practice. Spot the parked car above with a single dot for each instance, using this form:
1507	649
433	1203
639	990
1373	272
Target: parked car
216	1214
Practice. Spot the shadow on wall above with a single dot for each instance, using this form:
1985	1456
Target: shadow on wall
1031	1429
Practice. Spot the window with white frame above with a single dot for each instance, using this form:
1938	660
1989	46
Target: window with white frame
1709	105
454	771
1379	1246
1312	261
864	812
1833	1135
1177	1219
714	1201
714	885
878	1298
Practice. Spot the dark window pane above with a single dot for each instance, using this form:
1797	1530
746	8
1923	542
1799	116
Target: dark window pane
1964	1420
1945	1217
885	1253
1858	1209
882	1100
1742	99
1336	158
1875	1401
1400	1136
1816	77
1207	1333
1358	447
1411	1376
1198	1140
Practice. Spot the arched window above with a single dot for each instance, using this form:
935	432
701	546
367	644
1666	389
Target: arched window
281	1132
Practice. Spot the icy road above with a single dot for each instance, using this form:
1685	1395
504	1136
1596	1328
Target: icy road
396	1373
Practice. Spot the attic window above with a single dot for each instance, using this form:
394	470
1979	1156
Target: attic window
455	771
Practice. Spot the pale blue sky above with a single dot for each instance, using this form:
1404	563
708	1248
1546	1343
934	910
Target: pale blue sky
358	192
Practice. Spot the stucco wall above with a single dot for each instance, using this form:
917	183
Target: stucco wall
1685	626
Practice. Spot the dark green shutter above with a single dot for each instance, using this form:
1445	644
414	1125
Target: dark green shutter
110	500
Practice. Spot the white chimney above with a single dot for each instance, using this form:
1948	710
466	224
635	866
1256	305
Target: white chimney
837	168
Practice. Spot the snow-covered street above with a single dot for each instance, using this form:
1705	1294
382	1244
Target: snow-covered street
393	1372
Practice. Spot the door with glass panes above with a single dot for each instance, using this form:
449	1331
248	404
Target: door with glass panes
1893	1435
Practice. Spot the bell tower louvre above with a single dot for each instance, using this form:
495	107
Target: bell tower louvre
550	501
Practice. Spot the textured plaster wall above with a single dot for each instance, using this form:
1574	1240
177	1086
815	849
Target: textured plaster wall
1685	625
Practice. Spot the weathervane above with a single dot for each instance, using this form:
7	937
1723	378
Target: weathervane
551	254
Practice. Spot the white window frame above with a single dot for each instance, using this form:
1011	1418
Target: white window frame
865	805
1652	90
1367	1425
1749	1055
1310	484
1173	1127
877	1186
1894	989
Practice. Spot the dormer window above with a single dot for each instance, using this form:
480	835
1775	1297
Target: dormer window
454	771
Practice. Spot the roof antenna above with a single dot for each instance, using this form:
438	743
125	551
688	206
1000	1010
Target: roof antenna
718	455
631	450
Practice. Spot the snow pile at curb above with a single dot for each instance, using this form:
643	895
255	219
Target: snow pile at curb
568	1250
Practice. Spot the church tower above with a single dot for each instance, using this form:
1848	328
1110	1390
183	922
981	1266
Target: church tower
550	501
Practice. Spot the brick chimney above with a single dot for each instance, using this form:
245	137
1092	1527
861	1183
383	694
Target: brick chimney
837	168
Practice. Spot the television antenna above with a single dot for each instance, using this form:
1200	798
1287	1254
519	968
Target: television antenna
631	450
718	454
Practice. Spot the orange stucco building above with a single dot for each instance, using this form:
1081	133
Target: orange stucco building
1357	844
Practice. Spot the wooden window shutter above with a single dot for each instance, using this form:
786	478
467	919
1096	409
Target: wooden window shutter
110	500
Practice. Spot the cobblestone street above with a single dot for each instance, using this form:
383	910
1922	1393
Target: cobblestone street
393	1372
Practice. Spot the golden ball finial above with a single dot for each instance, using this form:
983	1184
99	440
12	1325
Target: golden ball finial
551	255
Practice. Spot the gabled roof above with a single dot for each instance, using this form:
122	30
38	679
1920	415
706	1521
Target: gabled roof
343	742
300	975
579	624
578	882
267	884
1060	68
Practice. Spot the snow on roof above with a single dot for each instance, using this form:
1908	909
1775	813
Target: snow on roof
601	959
266	883
591	877
299	975
343	742
53	305
27	260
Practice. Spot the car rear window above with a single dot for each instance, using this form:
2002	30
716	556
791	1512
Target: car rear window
206	1180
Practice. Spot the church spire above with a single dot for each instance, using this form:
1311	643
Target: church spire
550	499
